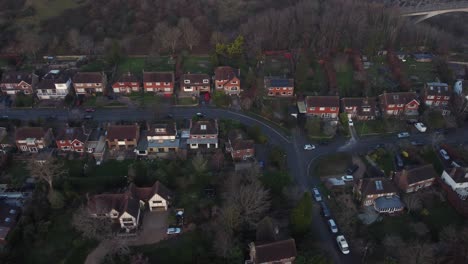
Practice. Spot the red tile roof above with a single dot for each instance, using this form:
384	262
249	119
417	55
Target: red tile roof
225	73
158	77
322	101
17	77
121	132
397	98
88	77
275	251
23	133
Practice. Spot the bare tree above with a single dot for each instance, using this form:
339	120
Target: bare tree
91	227
86	44
230	217
47	171
223	240
412	202
170	38
73	38
190	34
417	252
266	230
30	42
216	38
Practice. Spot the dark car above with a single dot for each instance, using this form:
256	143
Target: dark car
352	169
87	117
399	161
325	211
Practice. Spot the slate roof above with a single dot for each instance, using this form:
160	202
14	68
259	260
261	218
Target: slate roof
162	129
158	77
416	174
128	77
226	73
322	101
121	132
196	78
17	77
278	82
71	133
121	202
211	127
438	89
23	133
146	193
360	104
275	251
397	98
368	186
87	77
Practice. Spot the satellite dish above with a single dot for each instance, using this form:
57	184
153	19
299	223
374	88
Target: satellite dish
458	87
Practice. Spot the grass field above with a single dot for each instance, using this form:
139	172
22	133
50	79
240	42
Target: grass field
276	66
332	164
419	72
345	80
315	81
94	66
198	64
137	65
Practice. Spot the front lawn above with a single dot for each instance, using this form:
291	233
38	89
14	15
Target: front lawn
134	65
198	64
23	100
334	164
370	127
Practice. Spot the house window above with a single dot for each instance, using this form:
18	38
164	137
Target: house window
167	83
158	83
206	81
322	109
24	148
333	108
234	82
312	108
157	202
186	81
148	83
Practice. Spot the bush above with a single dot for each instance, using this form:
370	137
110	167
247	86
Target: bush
301	215
255	133
276	181
220	99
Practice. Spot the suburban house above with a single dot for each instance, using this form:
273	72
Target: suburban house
457	179
413	179
96	144
159	82
326	107
54	85
364	108
203	134
18	82
9	216
7	141
125	208
379	192
89	83
162	138
227	79
240	148
399	104
126	84
71	139
278	252
279	87
437	95
192	84
33	139
122	136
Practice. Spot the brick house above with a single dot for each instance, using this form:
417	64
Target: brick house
437	94
18	82
71	139
399	104
161	83
124	208
279	87
413	179
89	83
227	79
367	190
33	139
192	84
96	144
203	134
326	107
277	252
55	85
126	84
162	138
364	108
457	179
240	148
122	136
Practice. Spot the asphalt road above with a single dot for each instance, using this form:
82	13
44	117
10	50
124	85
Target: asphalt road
299	161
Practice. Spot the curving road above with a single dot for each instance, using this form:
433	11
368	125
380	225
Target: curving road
299	161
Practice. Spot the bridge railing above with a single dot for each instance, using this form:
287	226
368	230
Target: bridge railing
433	7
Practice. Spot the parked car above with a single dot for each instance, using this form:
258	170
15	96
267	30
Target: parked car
417	143
350	122
173	230
316	194
347	178
403	135
309	147
332	225
420	127
399	161
89	110
325	211
444	154
200	114
87	117
352	169
342	244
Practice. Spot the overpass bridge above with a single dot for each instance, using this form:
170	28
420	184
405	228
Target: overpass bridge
424	9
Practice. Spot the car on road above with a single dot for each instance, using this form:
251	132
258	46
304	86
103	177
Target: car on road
444	154
417	143
399	161
316	194
173	230
420	127
200	114
4	117
403	135
350	122
352	169
89	110
325	211
87	117
342	244
309	147
347	178
332	225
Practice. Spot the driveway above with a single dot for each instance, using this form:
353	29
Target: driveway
153	228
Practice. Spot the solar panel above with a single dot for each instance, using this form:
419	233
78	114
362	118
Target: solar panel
378	185
279	82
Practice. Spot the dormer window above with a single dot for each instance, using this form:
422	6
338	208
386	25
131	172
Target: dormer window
206	81
160	130
186	81
203	127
